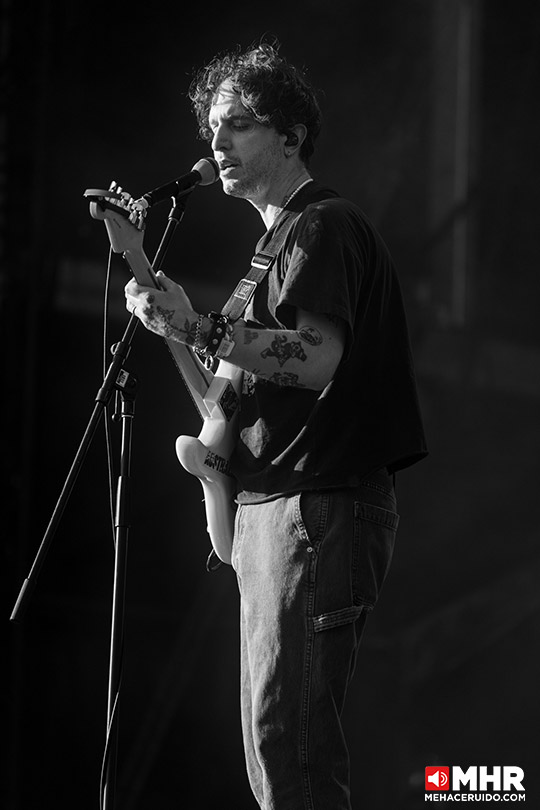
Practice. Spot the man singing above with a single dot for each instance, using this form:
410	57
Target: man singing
329	413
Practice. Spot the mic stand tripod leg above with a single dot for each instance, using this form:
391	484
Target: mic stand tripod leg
102	398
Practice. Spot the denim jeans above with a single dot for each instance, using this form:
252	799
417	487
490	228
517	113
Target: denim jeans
310	567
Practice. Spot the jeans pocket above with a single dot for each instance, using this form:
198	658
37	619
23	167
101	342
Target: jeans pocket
374	537
312	516
326	621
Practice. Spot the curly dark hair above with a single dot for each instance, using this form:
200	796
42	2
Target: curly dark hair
274	92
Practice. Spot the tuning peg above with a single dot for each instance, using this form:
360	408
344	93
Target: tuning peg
137	218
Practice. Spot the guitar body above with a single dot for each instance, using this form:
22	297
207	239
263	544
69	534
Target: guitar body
208	456
216	396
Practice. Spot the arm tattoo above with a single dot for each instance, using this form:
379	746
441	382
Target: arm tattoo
250	335
286	379
171	330
283	350
190	330
311	335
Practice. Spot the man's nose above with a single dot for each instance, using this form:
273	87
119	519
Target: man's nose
221	140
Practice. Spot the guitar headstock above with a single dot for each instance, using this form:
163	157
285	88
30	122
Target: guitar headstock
124	217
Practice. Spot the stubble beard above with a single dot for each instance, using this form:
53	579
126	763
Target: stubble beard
256	179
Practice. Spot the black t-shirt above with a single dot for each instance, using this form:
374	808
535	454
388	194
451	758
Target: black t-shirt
333	262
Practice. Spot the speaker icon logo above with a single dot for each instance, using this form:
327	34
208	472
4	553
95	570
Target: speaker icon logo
437	777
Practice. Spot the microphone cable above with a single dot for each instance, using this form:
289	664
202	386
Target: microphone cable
105	365
108	420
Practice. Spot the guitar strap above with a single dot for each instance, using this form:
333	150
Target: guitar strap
242	295
261	264
263	260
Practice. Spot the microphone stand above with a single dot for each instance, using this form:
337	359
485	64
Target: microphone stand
116	379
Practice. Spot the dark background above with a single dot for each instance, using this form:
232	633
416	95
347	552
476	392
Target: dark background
432	126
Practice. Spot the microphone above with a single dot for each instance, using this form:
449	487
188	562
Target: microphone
204	172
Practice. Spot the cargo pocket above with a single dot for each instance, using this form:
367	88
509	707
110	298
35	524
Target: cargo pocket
374	537
337	618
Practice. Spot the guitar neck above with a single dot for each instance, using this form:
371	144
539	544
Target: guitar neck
196	377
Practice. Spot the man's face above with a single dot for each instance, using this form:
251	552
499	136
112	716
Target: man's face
250	155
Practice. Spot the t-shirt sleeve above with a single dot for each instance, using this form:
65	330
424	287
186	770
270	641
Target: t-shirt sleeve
325	265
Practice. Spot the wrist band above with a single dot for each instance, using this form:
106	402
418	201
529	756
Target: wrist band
219	342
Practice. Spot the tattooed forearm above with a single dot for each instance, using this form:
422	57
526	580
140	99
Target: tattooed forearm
190	330
185	335
306	357
250	335
286	379
283	349
310	335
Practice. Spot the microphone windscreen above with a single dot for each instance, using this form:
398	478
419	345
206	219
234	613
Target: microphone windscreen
208	169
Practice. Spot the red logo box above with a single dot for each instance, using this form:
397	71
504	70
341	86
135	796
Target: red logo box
437	777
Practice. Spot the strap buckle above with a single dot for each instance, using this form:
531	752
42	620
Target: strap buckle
262	260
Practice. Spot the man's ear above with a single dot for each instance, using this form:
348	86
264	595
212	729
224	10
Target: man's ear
295	138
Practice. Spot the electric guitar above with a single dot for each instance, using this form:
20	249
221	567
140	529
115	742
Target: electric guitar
216	396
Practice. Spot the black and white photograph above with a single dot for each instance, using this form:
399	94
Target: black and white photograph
269	290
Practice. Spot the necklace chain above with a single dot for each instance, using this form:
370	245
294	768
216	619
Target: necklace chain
295	192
